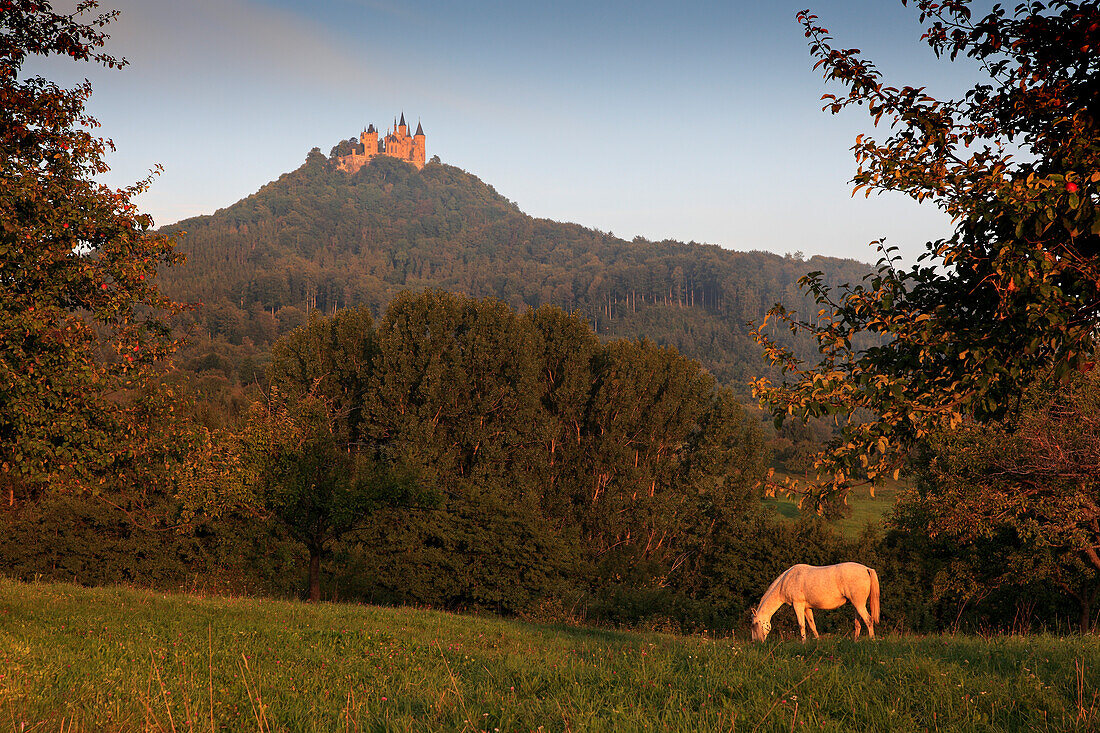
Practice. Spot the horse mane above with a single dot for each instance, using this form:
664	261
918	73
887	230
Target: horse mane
772	587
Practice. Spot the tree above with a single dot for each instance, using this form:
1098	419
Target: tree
311	482
1029	490
456	392
1013	296
554	455
82	320
667	454
332	358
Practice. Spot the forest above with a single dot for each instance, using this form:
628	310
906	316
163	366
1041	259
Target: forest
456	453
318	239
394	387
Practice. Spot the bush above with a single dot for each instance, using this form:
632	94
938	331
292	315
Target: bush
88	541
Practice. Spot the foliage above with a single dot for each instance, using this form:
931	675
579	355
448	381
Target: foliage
123	659
1027	495
329	358
113	539
291	465
81	318
1014	294
556	456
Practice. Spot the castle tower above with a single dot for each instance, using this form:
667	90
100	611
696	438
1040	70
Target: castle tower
402	128
369	140
418	146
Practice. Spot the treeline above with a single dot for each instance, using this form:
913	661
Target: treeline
320	239
539	471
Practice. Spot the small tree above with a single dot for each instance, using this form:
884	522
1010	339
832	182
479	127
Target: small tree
1014	294
316	486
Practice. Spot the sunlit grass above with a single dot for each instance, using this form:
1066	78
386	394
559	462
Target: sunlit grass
122	659
866	509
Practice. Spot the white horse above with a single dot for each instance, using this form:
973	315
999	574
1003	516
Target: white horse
807	587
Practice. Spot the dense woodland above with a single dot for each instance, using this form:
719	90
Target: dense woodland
564	455
320	239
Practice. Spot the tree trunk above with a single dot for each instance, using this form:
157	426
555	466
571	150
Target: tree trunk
314	575
1086	600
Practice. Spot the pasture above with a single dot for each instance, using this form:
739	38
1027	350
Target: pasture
866	509
120	659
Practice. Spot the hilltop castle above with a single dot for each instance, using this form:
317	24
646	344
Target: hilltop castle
397	144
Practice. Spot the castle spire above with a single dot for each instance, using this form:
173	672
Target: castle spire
419	129
402	117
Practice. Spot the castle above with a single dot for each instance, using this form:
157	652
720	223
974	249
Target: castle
397	144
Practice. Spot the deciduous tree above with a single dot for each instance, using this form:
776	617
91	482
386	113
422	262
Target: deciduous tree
317	486
1013	295
1020	503
81	318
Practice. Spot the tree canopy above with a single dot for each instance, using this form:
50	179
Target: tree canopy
1013	296
561	454
1012	504
81	317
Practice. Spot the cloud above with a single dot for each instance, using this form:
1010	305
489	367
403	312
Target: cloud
234	39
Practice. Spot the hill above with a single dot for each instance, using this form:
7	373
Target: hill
320	239
117	659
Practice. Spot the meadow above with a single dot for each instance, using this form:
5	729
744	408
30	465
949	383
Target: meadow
865	509
123	659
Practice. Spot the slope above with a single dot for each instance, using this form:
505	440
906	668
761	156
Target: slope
319	239
125	659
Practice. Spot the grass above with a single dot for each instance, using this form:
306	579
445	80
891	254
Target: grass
866	509
118	659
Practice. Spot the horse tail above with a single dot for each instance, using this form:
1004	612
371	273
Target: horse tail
872	599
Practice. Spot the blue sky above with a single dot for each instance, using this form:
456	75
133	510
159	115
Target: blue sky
691	120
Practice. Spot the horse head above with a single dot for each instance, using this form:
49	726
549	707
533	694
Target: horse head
760	626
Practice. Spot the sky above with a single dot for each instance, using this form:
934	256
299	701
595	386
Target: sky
695	121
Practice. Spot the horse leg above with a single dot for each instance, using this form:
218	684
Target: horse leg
810	621
858	629
861	614
861	611
800	612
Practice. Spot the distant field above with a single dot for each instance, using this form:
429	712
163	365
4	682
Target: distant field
123	660
866	509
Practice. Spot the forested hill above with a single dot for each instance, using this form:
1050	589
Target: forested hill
319	238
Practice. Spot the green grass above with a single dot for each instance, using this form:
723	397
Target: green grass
866	509
119	659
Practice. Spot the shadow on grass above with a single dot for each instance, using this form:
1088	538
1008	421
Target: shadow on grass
583	633
787	509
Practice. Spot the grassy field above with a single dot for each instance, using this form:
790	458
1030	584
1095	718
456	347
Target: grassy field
120	659
866	509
